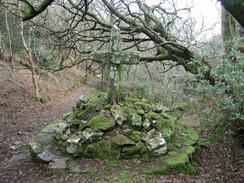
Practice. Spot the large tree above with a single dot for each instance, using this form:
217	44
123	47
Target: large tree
236	9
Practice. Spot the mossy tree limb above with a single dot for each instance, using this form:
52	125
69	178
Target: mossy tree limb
229	29
236	8
32	11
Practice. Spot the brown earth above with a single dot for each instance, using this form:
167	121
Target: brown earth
21	120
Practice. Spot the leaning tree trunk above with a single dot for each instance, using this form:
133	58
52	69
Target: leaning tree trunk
236	8
30	59
241	39
9	38
229	29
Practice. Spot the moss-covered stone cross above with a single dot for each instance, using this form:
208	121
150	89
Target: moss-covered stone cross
114	58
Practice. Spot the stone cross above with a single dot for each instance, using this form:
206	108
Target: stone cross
114	59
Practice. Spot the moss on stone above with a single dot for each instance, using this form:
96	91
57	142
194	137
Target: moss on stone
153	116
112	162
101	123
83	114
174	162
69	116
61	145
128	151
144	104
191	136
121	140
136	121
107	150
76	122
135	135
167	127
90	151
44	138
190	150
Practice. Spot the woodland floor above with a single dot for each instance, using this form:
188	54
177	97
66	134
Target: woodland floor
222	162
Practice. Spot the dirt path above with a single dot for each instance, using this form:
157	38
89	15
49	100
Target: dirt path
21	126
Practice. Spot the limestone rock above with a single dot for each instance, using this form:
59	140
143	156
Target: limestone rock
154	141
44	140
118	116
129	150
101	123
82	98
121	140
146	124
35	148
160	151
136	121
71	149
89	135
46	156
140	112
153	115
61	127
135	136
137	149
58	165
74	139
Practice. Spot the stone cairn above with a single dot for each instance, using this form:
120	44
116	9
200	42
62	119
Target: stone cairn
95	129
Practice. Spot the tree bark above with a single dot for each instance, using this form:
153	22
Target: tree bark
236	8
30	60
228	28
9	39
32	11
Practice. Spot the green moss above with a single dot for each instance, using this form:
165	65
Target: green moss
173	163
167	133
45	137
103	149
153	115
135	136
79	149
112	162
90	151
136	121
76	122
50	127
128	151
167	126
61	145
101	123
95	102
146	158
70	116
82	114
190	135
142	148
98	101
177	145
190	150
90	171
144	104
121	140
124	177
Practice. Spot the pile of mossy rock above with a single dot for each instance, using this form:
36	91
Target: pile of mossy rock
133	128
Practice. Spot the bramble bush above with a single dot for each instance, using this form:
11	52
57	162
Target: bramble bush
228	91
